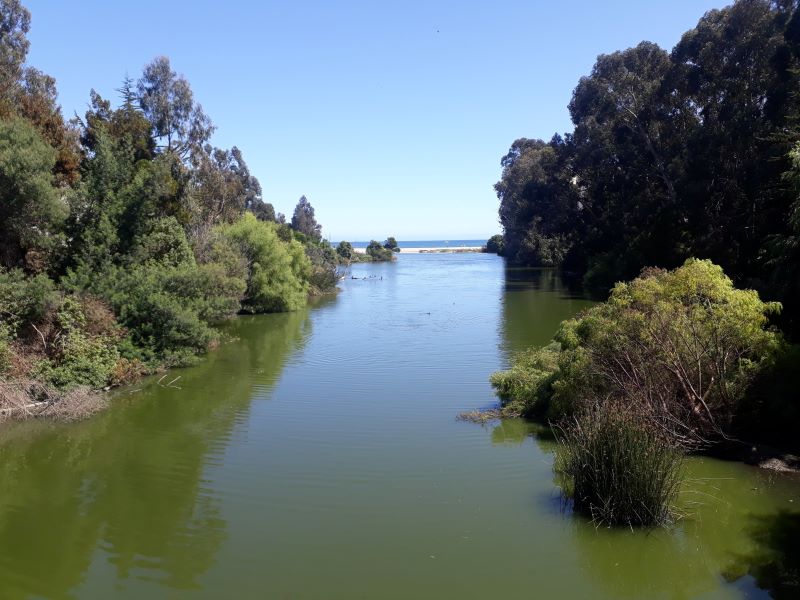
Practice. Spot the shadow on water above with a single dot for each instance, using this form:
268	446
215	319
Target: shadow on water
774	564
534	302
544	280
125	495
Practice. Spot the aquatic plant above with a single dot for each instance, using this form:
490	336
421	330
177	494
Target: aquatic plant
618	470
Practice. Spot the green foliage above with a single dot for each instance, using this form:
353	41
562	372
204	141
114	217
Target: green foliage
672	155
617	470
24	300
165	243
378	253
138	221
391	244
345	250
324	267
681	347
303	220
526	388
78	358
5	350
31	212
277	271
496	245
167	101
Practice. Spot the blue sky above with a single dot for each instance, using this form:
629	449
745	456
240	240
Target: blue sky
391	117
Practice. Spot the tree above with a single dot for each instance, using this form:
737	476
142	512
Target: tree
222	186
15	21
378	253
391	244
277	271
168	103
31	212
264	211
345	250
303	220
539	202
495	245
29	93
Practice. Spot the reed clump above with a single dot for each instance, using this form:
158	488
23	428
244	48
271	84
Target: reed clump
617	469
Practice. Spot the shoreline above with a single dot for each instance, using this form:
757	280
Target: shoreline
438	250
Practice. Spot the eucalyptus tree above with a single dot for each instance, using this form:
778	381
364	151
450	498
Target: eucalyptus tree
166	99
303	220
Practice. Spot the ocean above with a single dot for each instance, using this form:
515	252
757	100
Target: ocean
427	243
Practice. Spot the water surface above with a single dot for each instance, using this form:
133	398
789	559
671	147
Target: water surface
317	455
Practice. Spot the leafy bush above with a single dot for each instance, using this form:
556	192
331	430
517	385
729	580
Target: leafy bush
277	270
24	299
495	245
617	470
391	244
345	250
526	388
680	346
378	253
324	264
164	243
79	358
31	213
5	351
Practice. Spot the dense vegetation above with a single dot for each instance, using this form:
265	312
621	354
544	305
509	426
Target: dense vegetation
374	252
125	235
688	153
668	363
674	155
679	348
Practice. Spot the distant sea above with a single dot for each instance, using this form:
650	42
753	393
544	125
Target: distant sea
428	243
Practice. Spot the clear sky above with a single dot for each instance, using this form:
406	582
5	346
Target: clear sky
391	117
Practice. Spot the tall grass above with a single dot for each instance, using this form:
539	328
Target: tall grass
617	470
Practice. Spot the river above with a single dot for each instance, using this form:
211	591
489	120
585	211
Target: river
317	455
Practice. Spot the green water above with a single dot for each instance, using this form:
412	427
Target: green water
318	456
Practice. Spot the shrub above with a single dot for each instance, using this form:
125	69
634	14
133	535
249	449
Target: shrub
378	253
277	270
526	388
164	243
345	250
24	299
5	351
391	244
495	245
324	264
617	470
77	357
681	347
163	323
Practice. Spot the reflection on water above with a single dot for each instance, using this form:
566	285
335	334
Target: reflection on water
128	485
534	303
317	455
774	563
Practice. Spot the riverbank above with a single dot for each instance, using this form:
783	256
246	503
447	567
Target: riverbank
348	458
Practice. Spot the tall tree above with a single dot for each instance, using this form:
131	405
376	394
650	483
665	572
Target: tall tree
15	21
31	211
304	222
166	99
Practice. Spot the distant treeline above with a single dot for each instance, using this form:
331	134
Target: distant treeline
689	153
